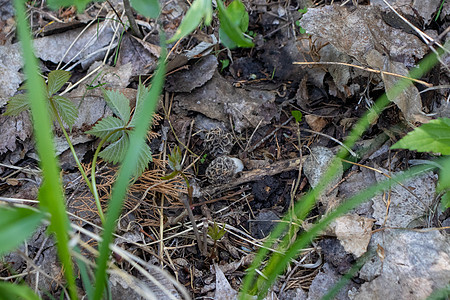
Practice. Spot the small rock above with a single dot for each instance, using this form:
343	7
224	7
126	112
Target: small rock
315	167
414	265
265	221
334	253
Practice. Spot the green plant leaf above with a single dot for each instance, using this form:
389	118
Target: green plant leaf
199	10
79	4
115	152
175	159
297	115
433	136
105	126
56	80
16	225
225	63
215	232
118	103
52	197
144	158
66	109
16	291
303	10
147	8
17	104
445	201
444	176
170	176
142	93
230	32
239	17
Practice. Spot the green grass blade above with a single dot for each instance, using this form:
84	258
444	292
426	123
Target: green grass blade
16	225
199	10
51	196
14	291
127	168
87	283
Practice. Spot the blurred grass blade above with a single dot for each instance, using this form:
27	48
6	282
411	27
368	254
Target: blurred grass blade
231	29
199	10
147	8
79	4
15	291
16	225
51	195
87	283
127	169
440	294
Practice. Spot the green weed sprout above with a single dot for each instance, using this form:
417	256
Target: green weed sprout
215	233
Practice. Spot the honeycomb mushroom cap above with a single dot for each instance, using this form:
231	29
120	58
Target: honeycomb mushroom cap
223	168
219	142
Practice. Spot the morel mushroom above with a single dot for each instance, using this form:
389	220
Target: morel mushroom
219	142
223	169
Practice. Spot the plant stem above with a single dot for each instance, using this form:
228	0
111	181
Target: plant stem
94	163
131	19
187	204
72	149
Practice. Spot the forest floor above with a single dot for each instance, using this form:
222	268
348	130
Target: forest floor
220	106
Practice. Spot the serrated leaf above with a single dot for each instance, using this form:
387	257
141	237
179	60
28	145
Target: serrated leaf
56	80
16	225
199	10
17	104
147	8
145	157
66	110
433	136
142	93
118	103
232	31
79	4
115	152
105	126
175	159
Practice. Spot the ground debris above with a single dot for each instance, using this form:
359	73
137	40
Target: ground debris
414	265
363	35
217	99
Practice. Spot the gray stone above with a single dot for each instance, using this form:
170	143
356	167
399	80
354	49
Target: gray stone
415	264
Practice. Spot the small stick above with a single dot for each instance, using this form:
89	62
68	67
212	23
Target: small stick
362	68
194	225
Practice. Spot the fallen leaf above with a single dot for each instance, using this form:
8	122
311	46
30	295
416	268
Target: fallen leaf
354	233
